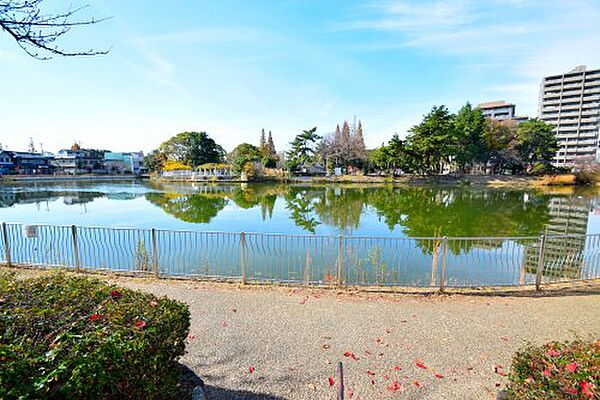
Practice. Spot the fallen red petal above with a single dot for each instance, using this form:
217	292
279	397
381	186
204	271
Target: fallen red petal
251	369
94	317
552	353
421	365
547	372
370	372
140	324
417	384
396	386
397	368
331	381
351	355
439	376
115	294
505	338
586	389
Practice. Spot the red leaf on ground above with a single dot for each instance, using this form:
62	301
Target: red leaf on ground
251	369
331	381
94	317
351	355
417	384
499	369
552	353
571	367
370	372
397	368
115	294
140	324
586	389
547	373
421	365
396	386
439	376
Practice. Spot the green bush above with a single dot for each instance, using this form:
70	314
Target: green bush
71	337
556	371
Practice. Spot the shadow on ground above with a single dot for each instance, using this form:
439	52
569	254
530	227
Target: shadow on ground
217	393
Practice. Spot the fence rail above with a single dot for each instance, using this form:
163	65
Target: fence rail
430	262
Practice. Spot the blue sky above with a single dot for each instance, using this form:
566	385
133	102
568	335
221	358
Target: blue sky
234	67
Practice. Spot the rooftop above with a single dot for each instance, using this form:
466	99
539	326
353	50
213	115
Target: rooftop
495	104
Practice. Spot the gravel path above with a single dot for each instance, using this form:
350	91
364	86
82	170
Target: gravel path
293	339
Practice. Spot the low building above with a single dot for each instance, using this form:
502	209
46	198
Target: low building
124	163
7	164
76	161
21	162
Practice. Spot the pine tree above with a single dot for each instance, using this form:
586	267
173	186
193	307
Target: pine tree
271	145
263	141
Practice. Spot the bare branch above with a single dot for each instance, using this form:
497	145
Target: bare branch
36	32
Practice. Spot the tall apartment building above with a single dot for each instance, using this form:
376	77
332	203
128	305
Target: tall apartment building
570	102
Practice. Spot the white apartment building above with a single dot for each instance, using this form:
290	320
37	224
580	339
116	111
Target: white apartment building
570	102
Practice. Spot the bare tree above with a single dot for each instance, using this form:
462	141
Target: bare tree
37	32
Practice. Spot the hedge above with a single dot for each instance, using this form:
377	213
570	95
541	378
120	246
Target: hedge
72	337
569	370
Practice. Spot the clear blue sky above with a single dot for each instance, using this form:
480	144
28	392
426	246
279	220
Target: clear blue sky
234	67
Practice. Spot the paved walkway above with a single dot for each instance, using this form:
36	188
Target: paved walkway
292	339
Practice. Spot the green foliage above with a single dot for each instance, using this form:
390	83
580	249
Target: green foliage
192	148
198	207
434	140
65	337
155	161
303	149
469	126
242	155
556	371
536	143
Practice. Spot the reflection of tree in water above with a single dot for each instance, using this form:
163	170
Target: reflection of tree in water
199	208
264	196
11	198
301	203
341	207
424	211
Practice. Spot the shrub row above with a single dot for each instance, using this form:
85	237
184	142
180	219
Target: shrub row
556	371
64	336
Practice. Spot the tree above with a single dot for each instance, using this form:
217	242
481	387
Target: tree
271	145
155	161
192	148
242	155
267	151
433	140
500	141
36	32
359	150
536	143
303	149
345	145
469	126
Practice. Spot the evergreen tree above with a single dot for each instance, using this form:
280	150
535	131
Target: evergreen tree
345	145
536	143
263	142
303	149
469	130
271	145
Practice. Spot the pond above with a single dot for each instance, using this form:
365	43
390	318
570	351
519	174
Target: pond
349	210
312	234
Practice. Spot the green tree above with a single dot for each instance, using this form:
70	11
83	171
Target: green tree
192	148
242	155
536	143
434	140
303	149
500	141
469	126
154	161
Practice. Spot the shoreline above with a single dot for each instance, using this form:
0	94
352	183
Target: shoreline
66	178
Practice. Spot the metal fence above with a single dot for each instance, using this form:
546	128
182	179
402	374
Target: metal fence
432	262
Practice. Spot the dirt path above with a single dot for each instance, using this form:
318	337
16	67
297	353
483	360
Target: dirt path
293	339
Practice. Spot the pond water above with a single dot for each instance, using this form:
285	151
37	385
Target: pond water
349	210
336	234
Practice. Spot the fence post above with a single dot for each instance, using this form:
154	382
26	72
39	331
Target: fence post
540	266
154	253
6	248
243	246
340	277
75	248
340	376
443	271
307	269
